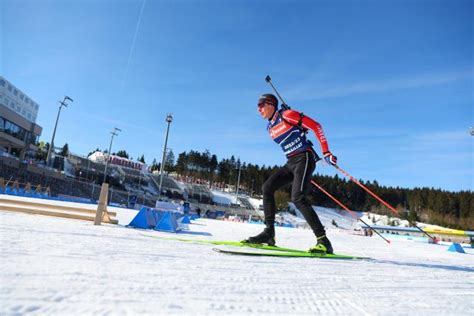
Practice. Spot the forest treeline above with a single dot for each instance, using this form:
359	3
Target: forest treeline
435	206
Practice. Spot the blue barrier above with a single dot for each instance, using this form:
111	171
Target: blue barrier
455	247
157	216
39	195
168	223
156	219
10	191
145	219
185	220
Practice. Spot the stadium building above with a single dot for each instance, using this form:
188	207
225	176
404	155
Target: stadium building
19	133
100	157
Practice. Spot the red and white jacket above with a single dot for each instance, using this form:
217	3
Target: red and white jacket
288	129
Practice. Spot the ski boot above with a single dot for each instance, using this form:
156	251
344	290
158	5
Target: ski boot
323	246
265	237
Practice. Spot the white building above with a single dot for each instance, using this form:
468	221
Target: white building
17	101
100	157
19	133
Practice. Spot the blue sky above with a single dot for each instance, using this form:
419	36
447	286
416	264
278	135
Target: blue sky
391	82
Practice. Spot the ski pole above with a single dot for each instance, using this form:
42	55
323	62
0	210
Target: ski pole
347	209
334	199
379	199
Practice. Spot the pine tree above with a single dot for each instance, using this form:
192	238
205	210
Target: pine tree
123	154
169	160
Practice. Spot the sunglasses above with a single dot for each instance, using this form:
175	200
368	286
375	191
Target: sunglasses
262	103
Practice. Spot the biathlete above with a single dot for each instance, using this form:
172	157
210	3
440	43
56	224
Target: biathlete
288	129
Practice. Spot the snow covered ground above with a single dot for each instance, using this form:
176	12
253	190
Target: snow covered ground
68	267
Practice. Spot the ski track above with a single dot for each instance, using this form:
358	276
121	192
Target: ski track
52	266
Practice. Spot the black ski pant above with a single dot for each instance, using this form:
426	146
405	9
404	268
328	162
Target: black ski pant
298	171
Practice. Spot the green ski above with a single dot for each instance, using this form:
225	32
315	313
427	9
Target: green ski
265	249
288	254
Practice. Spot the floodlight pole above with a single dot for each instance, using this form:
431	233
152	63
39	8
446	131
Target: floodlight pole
169	119
114	133
62	103
238	183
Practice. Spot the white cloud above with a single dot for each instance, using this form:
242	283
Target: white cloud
320	89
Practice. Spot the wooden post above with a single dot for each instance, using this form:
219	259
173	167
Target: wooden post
2	184
101	214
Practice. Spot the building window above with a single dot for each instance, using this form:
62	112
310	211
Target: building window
36	107
14	130
15	92
2	83
10	88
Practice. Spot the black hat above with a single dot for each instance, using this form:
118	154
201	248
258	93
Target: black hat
268	98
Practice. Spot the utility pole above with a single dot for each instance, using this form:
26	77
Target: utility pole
101	213
51	146
114	133
169	119
238	183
